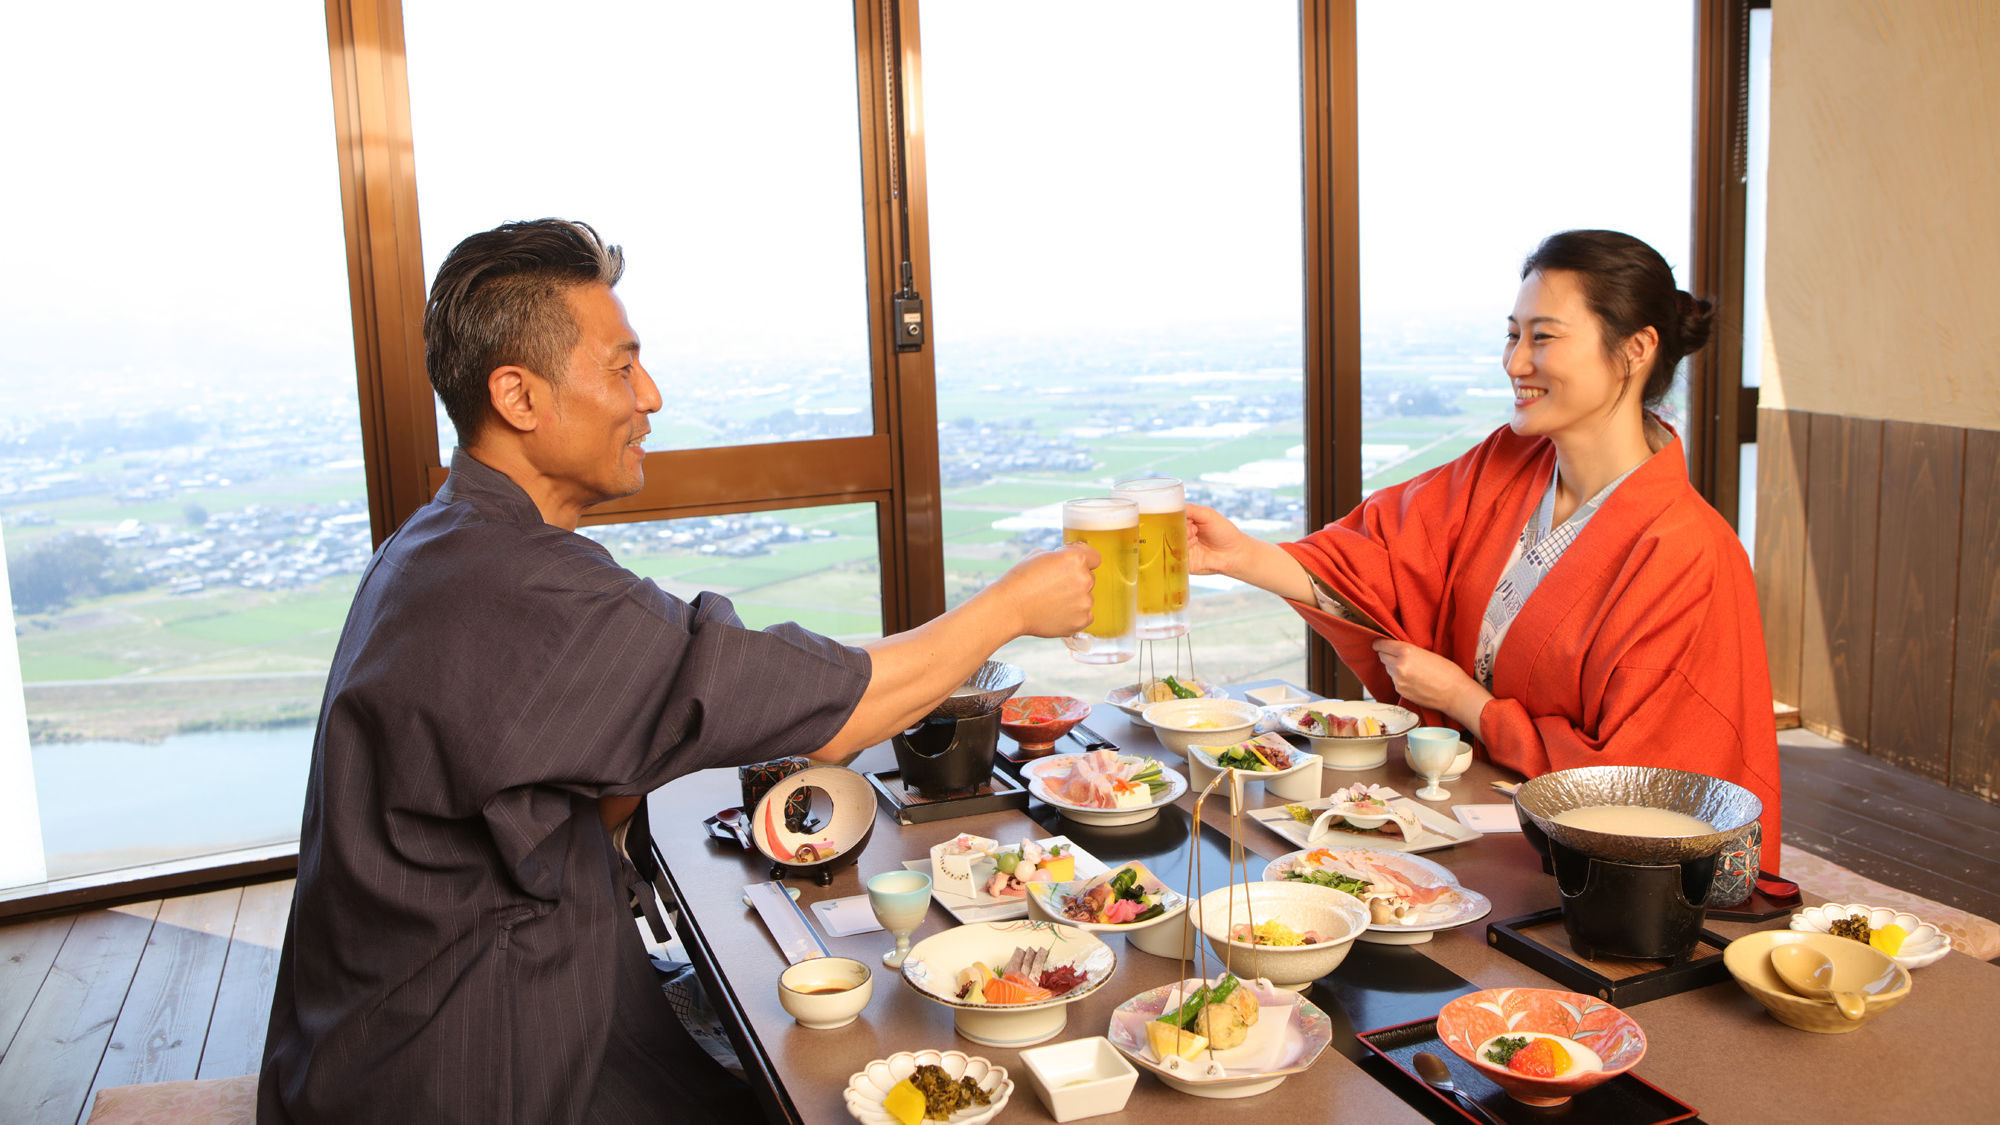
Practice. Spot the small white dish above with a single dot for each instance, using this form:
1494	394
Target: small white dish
1278	695
867	1087
823	993
1080	1078
1924	944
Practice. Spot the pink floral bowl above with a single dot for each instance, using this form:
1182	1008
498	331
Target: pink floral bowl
1470	1020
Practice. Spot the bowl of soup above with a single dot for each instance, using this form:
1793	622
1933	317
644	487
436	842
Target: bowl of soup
1541	1045
1215	721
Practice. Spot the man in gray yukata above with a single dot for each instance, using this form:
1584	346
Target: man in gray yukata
504	695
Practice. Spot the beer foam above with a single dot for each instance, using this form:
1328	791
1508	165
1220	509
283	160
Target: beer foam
1100	516
1154	494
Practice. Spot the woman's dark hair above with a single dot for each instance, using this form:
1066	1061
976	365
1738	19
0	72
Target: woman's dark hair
500	298
1629	287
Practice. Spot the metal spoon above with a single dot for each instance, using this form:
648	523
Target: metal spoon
1432	1069
1809	973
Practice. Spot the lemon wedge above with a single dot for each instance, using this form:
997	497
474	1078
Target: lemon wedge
1889	938
1166	1040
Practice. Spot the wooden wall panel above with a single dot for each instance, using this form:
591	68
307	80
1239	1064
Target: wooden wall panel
1975	711
1916	596
1782	437
1844	465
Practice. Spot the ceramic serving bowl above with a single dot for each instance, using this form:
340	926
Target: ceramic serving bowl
1472	1019
1080	1078
1181	723
1856	967
1348	752
1337	917
1036	721
933	965
1133	702
1923	944
825	992
867	1087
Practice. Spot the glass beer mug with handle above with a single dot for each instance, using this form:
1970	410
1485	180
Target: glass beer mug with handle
1111	526
1163	577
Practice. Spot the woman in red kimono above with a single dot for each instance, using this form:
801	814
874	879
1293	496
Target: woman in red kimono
1560	592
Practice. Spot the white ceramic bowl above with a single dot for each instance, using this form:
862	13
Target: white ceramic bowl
1181	723
868	1086
822	1010
1349	752
1337	916
1080	1078
1127	698
1299	781
933	964
1924	945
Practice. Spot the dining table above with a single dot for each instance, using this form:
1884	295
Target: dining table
1712	1047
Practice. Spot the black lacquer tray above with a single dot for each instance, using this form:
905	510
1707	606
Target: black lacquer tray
1624	1100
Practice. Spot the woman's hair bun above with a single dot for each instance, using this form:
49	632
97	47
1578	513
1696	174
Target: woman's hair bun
1697	319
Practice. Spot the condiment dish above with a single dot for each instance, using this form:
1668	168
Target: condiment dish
1923	943
826	992
867	1087
1080	1078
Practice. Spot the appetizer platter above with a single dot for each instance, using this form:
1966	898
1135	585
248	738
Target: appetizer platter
1000	887
1409	898
1383	818
1103	787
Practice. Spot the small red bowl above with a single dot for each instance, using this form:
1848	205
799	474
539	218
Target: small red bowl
1470	1020
1036	721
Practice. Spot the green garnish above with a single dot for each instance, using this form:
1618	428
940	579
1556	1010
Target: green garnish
1238	759
1323	878
1202	998
1504	1047
1302	814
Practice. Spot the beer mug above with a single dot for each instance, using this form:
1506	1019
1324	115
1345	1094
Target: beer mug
1163	577
1111	526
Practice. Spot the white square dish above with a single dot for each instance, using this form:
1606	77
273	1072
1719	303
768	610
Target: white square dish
1080	1078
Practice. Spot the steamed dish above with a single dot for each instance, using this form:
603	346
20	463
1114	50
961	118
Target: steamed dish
1538	1055
1272	932
1633	820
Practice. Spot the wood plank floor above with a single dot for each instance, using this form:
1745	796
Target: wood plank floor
181	987
147	992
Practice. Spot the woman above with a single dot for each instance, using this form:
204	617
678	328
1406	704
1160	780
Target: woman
1560	592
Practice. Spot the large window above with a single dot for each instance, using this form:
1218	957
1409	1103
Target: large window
1116	244
1483	128
182	494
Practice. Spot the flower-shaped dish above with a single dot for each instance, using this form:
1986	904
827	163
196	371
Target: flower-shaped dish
1129	699
1923	943
933	965
1289	1035
867	1087
1036	721
1037	772
1348	751
1472	1019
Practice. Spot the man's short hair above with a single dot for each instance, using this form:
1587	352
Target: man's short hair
501	298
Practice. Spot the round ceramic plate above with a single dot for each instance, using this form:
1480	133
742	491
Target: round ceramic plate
933	965
1456	907
1395	720
1289	1035
1176	785
867	1087
1127	699
1924	944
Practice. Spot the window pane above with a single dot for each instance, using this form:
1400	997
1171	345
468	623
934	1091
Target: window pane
820	567
1484	128
1115	247
718	143
184	503
1756	195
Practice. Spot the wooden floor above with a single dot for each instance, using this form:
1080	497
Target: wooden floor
149	992
181	987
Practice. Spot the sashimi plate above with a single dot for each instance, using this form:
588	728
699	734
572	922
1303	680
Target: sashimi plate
1440	831
1288	1036
1084	814
1454	907
983	907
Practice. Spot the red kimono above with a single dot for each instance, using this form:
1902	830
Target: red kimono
1642	646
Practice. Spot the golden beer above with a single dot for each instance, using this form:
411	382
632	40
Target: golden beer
1163	578
1111	527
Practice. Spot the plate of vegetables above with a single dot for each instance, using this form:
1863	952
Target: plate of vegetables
1125	899
1220	1038
1133	699
1104	787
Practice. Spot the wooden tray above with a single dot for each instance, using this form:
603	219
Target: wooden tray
1539	942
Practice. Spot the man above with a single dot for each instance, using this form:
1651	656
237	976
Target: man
460	946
